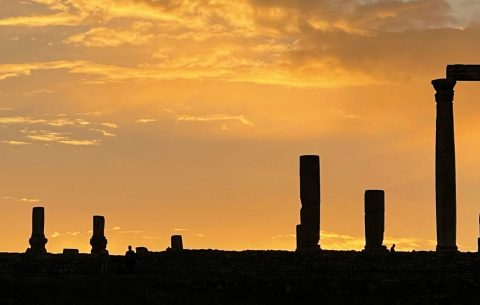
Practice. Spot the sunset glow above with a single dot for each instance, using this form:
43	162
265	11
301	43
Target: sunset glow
188	117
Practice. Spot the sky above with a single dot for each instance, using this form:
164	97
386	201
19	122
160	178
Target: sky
188	117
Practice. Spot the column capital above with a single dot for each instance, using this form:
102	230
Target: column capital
444	84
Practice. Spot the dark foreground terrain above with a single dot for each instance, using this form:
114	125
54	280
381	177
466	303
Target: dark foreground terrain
249	277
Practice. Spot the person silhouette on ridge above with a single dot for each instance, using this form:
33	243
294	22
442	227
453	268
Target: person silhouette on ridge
392	249
130	260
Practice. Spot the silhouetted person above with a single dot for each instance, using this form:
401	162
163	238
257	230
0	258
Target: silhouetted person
130	256
392	249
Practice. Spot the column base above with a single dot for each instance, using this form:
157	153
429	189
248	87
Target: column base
447	249
375	249
312	249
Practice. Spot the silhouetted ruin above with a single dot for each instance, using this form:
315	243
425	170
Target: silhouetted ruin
98	240
267	277
463	72
308	231
176	243
445	167
141	250
374	220
38	240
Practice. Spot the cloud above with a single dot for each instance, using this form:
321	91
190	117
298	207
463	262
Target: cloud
23	199
107	37
55	234
42	20
215	118
180	229
20	120
29	200
110	125
15	143
58	137
116	228
73	233
103	132
143	121
22	69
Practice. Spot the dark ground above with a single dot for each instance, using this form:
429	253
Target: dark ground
249	277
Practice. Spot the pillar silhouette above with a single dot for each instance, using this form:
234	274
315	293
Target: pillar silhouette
308	231
38	241
478	239
445	188
176	243
98	240
374	220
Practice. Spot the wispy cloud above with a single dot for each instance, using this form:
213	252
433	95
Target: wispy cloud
22	199
215	118
180	229
110	125
58	137
26	120
55	234
103	132
15	143
107	37
144	121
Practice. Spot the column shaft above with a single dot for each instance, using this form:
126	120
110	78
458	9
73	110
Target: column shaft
445	186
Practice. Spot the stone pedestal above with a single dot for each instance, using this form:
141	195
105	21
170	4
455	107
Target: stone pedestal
445	188
37	240
308	231
176	243
374	221
98	240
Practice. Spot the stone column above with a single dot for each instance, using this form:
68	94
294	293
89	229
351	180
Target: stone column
445	189
478	239
176	243
98	240
374	220
37	240
308	231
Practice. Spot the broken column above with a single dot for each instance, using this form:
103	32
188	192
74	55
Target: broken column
37	240
374	220
445	189
176	243
98	240
478	239
308	231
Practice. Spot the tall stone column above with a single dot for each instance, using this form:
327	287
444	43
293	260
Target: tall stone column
37	240
308	231
98	240
374	220
445	189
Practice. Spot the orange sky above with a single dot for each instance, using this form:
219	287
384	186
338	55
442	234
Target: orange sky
188	116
